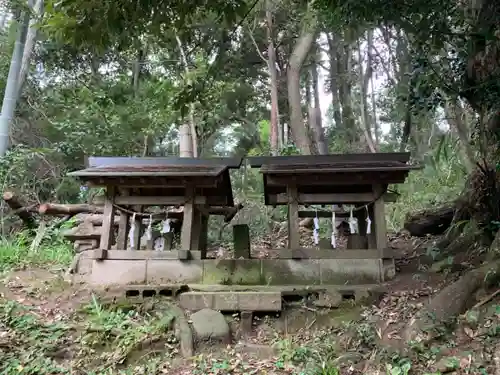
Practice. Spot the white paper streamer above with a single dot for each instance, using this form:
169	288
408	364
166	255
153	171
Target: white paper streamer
334	229
316	229
149	230
166	226
368	222
131	232
353	223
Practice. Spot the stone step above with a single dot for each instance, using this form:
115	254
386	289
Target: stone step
231	301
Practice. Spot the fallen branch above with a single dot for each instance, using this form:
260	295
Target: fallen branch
68	209
434	222
19	209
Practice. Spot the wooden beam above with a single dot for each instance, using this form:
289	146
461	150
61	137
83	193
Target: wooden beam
345	198
153	254
156	201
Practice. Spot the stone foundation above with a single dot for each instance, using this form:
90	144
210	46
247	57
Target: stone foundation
249	272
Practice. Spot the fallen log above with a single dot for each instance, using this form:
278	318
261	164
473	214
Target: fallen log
68	209
19	208
433	222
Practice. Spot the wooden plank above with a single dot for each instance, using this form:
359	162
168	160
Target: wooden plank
367	178
293	218
152	254
102	161
258	161
106	240
346	198
310	253
152	182
157	201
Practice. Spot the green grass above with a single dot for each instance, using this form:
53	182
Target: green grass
15	252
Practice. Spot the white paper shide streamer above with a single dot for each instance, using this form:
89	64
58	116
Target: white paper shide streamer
353	223
316	229
334	229
368	222
149	229
131	232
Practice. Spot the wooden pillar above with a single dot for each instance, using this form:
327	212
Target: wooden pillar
123	226
203	244
196	231
107	225
189	219
293	218
380	226
138	229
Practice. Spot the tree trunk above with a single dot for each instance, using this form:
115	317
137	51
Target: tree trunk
299	54
364	78
29	46
315	120
10	95
344	68
271	62
455	115
192	124
334	78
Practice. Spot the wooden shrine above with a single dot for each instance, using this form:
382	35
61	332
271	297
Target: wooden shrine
202	187
359	180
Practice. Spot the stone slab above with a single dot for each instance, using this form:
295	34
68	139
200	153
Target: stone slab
118	272
231	301
232	271
350	271
164	271
288	271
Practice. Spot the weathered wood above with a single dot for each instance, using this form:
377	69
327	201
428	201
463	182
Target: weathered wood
338	179
123	225
188	219
138	224
16	204
68	209
203	241
157	201
293	218
241	240
151	254
347	198
107	225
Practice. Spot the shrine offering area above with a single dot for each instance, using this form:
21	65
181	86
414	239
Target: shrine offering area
170	200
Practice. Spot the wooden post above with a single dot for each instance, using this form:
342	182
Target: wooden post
123	227
138	229
241	240
293	217
107	225
188	220
380	226
203	236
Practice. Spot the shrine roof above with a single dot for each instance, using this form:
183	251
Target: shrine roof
371	161
156	167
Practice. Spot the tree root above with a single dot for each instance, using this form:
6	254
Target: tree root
449	302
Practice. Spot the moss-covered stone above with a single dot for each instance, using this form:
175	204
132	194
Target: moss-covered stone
350	271
290	272
232	271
